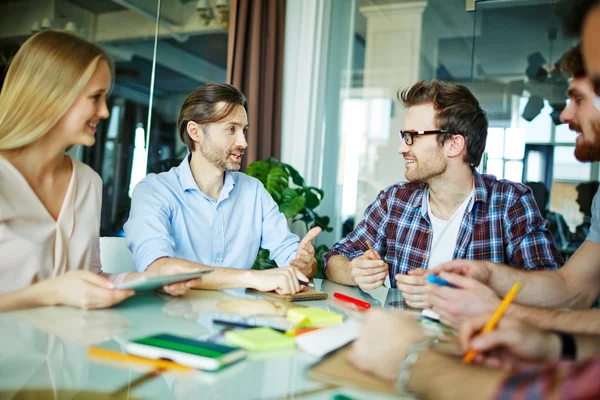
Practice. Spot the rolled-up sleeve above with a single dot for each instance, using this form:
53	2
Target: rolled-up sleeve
276	235
371	228
529	241
148	229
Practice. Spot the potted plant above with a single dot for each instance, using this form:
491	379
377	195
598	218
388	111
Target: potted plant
296	201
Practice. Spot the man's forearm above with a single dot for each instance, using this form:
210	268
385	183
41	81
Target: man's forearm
538	288
436	376
219	279
338	270
577	322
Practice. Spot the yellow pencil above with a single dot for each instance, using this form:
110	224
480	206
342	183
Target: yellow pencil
117	356
510	296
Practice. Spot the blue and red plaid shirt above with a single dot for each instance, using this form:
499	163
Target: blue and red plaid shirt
562	380
502	224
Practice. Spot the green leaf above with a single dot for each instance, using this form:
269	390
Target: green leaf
312	201
294	206
262	261
259	170
288	194
294	174
277	181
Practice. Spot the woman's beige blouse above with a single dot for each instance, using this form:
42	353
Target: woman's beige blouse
33	246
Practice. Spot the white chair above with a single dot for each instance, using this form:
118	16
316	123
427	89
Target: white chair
115	256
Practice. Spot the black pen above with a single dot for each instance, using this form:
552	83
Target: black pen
237	324
309	284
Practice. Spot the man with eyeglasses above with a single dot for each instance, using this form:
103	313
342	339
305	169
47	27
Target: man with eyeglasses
446	210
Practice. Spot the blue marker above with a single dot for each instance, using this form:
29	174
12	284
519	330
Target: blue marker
436	280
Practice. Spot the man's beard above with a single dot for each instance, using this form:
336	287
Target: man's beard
218	157
428	170
586	150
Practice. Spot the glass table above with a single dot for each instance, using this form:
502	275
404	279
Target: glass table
44	351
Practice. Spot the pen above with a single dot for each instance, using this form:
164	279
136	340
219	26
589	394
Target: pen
309	284
352	300
237	324
510	296
439	281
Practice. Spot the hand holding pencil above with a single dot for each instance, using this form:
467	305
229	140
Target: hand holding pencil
493	321
369	270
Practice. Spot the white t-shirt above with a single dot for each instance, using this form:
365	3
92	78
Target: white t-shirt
445	233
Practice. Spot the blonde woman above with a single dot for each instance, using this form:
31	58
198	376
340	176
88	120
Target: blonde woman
53	97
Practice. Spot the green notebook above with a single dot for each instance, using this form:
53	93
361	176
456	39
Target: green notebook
260	339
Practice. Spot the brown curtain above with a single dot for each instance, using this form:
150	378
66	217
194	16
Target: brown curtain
255	66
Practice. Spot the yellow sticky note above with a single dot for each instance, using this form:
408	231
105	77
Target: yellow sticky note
314	317
260	339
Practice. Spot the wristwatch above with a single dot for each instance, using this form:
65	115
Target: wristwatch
568	346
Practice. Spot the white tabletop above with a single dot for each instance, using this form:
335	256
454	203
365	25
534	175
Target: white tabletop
46	348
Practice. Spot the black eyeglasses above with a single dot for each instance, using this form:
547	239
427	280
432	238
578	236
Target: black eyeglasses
408	136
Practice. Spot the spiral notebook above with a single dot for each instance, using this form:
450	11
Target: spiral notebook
310	294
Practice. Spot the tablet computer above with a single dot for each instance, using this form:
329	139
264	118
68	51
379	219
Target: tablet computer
146	283
186	351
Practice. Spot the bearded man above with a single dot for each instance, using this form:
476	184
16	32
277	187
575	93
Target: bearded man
446	210
203	214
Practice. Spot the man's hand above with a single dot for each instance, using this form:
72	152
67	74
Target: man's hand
305	255
178	288
281	280
469	298
511	343
414	288
369	270
384	341
479	270
83	289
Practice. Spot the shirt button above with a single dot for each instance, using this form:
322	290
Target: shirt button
424	256
220	231
428	231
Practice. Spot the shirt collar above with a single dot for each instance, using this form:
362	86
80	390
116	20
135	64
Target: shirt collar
186	178
480	195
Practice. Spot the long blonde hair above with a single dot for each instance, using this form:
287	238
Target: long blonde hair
42	82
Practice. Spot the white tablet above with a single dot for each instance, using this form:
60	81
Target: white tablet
145	283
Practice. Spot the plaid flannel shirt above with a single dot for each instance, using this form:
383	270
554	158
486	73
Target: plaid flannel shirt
502	224
562	380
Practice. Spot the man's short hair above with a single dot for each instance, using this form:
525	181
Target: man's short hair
457	110
572	64
574	12
590	187
201	107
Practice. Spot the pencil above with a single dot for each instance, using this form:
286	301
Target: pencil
118	356
510	296
371	248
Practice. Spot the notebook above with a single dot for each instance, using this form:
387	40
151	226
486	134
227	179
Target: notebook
260	339
337	370
307	295
314	317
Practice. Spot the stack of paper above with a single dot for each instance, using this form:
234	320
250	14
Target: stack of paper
323	341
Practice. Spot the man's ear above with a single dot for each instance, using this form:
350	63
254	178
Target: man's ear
456	145
194	130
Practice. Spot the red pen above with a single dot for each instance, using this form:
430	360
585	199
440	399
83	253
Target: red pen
352	300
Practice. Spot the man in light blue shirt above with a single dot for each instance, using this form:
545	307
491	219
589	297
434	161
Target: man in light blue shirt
204	214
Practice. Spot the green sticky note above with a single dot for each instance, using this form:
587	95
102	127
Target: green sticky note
260	339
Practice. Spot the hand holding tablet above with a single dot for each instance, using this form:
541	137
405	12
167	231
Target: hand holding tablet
145	283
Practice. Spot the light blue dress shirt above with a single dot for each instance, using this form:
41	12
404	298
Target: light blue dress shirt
171	217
